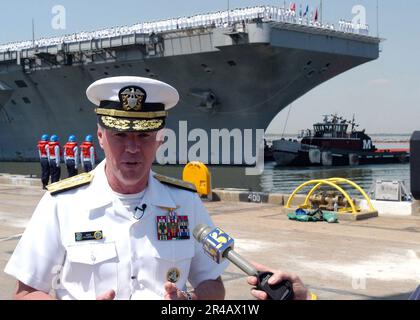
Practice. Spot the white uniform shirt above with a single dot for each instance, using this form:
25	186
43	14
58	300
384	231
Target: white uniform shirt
129	259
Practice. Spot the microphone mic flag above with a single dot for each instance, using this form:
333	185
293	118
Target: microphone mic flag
218	245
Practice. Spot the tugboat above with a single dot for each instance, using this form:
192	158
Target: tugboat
332	143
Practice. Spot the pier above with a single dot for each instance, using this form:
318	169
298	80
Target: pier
377	258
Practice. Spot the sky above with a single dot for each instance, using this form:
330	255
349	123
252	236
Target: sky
384	95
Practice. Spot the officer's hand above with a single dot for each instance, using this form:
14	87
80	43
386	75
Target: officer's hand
109	295
173	293
300	292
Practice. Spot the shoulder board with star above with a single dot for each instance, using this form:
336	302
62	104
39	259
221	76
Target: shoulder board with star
70	183
180	184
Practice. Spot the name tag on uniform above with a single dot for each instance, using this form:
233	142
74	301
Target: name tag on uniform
88	235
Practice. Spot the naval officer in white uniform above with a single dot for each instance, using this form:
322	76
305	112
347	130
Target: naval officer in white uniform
120	231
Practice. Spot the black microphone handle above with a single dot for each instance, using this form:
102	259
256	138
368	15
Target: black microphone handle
279	291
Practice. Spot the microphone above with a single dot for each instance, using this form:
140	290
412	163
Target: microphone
137	215
218	245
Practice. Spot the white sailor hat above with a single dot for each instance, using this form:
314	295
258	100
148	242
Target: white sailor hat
132	104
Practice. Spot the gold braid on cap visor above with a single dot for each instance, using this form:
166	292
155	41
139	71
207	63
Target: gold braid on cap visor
138	125
131	114
119	124
147	124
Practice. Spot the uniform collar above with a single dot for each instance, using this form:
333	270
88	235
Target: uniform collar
156	193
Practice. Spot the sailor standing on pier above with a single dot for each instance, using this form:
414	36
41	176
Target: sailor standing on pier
71	156
43	158
54	153
87	154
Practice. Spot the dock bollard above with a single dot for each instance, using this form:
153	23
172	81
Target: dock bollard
198	174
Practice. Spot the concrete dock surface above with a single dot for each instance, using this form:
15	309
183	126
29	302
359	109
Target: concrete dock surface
377	258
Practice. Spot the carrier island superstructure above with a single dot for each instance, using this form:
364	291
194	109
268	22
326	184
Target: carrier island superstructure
237	75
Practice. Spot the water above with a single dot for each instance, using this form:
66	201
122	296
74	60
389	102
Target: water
284	180
273	179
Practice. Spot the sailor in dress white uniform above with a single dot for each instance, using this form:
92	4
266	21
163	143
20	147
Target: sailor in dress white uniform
119	232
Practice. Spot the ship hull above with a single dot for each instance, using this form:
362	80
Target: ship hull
233	86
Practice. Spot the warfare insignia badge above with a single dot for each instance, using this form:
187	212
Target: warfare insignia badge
173	275
132	98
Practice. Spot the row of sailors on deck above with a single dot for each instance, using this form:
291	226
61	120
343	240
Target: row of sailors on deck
216	19
348	26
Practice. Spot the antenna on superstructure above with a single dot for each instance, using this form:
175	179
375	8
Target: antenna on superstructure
334	117
320	11
377	18
287	119
353	123
228	4
33	33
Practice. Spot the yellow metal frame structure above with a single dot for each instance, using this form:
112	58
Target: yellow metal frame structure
332	182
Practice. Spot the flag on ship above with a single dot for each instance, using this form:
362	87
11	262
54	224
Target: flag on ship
306	11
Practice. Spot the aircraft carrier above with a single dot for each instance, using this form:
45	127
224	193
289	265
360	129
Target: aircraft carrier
236	76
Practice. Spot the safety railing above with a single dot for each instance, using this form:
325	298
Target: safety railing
334	183
215	19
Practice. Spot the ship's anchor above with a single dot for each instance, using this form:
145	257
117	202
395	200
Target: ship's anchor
208	98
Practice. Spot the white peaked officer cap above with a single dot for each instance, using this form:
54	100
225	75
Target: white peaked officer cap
132	104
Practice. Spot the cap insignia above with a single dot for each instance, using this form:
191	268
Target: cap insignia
132	98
